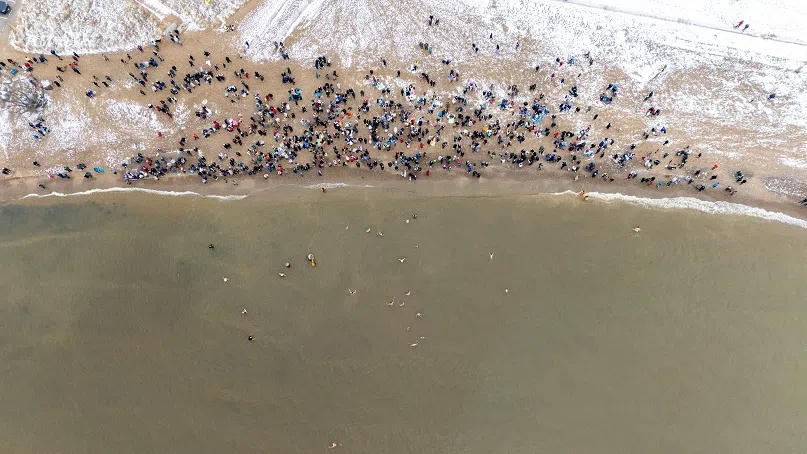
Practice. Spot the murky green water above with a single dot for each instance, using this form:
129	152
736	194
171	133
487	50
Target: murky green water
118	332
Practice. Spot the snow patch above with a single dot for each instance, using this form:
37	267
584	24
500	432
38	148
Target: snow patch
272	22
83	26
157	8
795	163
95	26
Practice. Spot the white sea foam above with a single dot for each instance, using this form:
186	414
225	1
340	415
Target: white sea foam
691	203
187	193
142	190
337	185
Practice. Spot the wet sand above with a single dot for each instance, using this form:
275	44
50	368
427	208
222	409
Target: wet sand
120	333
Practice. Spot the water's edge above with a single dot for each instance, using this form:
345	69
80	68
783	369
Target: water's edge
690	203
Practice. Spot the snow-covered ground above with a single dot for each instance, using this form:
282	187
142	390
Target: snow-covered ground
80	127
780	19
84	26
624	31
195	14
93	26
715	85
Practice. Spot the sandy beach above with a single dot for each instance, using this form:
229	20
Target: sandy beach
508	129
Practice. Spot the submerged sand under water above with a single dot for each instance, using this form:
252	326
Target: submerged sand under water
119	333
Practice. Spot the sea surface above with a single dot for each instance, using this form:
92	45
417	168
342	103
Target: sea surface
119	333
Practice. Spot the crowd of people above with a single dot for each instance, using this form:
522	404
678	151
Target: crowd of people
414	131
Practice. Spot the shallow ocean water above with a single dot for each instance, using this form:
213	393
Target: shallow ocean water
118	332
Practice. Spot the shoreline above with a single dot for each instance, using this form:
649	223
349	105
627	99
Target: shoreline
597	192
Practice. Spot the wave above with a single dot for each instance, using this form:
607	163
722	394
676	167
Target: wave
687	203
337	185
691	203
187	193
145	190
